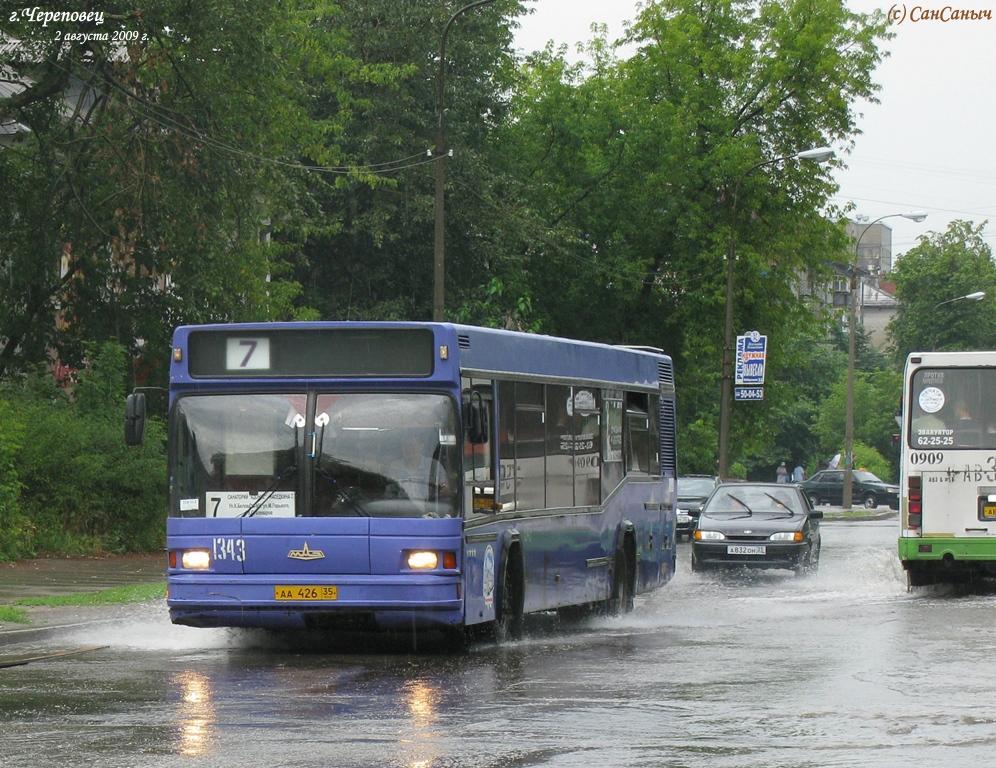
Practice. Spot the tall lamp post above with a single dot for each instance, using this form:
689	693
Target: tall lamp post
818	155
852	322
438	257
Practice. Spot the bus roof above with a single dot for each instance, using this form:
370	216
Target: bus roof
974	358
492	351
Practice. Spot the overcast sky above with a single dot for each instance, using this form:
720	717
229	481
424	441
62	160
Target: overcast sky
927	146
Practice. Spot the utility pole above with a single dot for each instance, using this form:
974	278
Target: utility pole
441	153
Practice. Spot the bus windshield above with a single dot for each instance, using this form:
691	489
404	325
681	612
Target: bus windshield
266	455
953	408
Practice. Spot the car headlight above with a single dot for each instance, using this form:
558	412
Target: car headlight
786	536
708	535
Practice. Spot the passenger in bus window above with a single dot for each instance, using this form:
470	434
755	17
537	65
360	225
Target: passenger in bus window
962	412
420	475
968	432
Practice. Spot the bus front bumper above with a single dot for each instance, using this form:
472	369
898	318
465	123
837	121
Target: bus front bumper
362	602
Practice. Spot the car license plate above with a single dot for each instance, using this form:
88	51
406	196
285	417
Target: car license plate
745	549
989	511
305	592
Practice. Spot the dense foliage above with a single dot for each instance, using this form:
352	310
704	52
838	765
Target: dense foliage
78	488
941	267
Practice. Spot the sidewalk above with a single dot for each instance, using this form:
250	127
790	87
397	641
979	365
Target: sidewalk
66	576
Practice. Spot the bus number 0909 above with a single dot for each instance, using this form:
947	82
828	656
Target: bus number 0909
933	457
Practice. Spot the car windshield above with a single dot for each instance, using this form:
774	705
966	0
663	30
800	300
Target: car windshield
866	477
695	486
764	500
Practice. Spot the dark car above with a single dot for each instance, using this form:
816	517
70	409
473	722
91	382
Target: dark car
757	525
827	487
693	490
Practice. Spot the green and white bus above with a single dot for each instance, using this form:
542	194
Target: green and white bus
948	485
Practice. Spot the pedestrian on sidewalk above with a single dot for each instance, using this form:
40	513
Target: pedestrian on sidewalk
782	473
798	474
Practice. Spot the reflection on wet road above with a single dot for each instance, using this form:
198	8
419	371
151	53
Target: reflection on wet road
841	669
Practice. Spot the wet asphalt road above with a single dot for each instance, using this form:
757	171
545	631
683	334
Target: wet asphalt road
841	669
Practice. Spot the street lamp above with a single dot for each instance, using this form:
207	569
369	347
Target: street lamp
852	321
818	155
975	296
440	153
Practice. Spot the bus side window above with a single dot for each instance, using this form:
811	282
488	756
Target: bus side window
654	414
587	447
530	452
637	434
505	438
476	395
612	440
559	447
477	456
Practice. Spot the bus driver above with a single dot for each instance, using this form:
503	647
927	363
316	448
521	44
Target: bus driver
417	473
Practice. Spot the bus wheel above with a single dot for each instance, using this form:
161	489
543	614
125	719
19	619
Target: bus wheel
508	624
622	584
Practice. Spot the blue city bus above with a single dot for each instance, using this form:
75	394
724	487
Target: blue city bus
376	475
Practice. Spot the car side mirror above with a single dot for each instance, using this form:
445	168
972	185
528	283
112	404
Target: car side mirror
815	514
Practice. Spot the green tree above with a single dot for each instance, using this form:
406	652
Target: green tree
877	395
647	170
942	266
366	249
140	190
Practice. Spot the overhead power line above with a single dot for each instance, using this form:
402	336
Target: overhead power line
162	117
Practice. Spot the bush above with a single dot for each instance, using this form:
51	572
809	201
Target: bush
81	490
866	457
15	529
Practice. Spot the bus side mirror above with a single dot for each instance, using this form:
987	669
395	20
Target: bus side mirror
135	418
476	416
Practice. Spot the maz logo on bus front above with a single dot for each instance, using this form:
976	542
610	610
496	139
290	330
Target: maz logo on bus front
305	553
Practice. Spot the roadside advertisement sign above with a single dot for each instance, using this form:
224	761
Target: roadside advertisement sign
752	350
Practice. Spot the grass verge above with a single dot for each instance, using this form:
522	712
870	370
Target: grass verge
135	593
8	613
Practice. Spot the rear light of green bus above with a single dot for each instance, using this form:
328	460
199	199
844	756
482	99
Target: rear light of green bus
914	507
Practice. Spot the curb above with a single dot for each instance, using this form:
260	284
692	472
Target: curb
842	517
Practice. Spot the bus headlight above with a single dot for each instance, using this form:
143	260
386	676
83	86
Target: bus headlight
430	560
195	559
422	560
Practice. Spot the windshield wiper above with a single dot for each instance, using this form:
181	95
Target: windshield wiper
781	504
742	503
264	497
